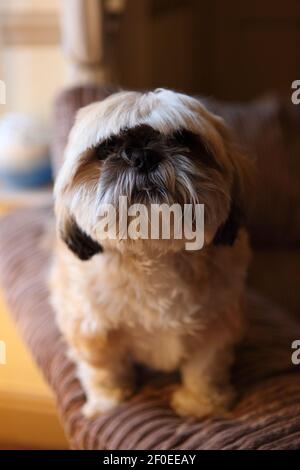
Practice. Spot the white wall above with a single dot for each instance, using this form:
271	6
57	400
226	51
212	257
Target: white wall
33	73
23	5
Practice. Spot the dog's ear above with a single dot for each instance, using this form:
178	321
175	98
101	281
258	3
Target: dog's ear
79	242
242	185
227	232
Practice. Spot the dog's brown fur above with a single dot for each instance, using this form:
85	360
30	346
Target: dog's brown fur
151	301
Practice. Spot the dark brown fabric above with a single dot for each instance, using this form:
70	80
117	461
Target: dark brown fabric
267	415
268	130
276	275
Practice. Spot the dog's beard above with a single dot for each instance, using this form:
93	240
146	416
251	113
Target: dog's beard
176	180
164	185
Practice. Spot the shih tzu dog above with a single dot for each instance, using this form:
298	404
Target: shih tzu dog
121	301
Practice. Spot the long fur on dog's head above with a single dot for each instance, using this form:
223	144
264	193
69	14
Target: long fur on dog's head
196	162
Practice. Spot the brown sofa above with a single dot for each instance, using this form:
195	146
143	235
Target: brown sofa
267	414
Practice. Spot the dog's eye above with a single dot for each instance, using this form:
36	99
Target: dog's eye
101	153
104	150
126	154
186	138
108	147
196	148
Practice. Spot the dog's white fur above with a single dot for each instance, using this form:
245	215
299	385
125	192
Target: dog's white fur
147	302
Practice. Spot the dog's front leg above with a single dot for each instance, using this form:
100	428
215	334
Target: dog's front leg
205	388
105	371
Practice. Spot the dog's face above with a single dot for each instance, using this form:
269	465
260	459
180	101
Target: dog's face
160	147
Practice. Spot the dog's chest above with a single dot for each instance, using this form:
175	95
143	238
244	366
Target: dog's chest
160	349
152	296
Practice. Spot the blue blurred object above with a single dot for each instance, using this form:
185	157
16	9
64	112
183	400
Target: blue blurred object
39	175
24	151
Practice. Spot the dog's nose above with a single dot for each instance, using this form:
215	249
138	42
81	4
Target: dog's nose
142	159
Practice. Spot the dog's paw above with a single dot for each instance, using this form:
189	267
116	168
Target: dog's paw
99	406
213	402
103	402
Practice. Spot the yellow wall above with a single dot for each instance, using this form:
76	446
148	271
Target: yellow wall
28	416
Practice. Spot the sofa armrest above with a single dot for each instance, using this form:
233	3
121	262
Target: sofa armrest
267	413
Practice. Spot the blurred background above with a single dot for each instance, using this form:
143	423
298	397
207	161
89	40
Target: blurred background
231	51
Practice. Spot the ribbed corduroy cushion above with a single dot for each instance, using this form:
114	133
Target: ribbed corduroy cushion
267	415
